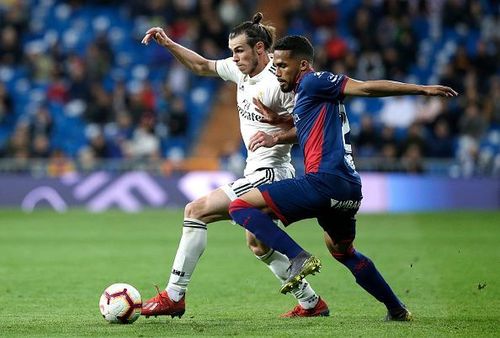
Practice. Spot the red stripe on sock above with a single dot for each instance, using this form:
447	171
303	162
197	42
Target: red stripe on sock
239	204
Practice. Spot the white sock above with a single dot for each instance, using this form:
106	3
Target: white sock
191	247
278	264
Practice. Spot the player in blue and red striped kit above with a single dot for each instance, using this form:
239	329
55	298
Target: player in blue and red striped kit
330	190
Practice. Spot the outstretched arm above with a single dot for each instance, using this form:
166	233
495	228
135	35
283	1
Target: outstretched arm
192	60
378	88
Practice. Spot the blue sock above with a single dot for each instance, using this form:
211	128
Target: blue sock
368	277
263	227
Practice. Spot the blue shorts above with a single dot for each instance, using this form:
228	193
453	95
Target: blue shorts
332	200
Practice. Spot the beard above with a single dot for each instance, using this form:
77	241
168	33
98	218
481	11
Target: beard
285	87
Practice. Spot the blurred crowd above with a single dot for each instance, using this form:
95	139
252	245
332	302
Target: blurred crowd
75	83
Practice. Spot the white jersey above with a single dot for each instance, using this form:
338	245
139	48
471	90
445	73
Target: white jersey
266	87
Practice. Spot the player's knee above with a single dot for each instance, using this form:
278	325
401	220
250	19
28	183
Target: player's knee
196	209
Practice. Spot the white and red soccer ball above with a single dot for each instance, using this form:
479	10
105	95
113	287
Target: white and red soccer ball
120	303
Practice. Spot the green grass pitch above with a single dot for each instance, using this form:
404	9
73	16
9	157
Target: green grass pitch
53	268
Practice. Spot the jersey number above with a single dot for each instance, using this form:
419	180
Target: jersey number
346	133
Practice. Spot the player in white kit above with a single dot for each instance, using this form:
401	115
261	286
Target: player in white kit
253	71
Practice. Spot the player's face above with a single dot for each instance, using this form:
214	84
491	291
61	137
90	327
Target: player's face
244	56
287	69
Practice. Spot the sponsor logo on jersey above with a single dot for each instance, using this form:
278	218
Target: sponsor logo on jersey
347	204
248	115
244	111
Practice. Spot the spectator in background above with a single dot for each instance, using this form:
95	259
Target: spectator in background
57	91
40	65
399	111
99	108
97	142
41	122
412	159
176	119
120	133
367	139
493	100
473	124
10	47
19	143
441	145
6	106
40	147
415	138
79	85
15	14
120	99
388	149
144	144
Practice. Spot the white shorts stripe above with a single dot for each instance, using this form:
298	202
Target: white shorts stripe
266	175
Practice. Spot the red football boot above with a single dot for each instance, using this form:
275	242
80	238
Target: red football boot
162	305
320	310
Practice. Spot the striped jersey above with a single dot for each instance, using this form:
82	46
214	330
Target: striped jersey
266	87
322	125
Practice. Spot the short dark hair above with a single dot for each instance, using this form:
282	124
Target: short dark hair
298	45
255	32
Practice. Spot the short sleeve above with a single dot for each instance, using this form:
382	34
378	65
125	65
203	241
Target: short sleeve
227	70
325	85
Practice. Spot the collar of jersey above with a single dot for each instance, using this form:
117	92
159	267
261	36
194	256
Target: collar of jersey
257	78
301	77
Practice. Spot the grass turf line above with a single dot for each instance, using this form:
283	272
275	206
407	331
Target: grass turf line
53	267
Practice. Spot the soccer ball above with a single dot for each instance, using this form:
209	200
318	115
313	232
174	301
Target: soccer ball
120	303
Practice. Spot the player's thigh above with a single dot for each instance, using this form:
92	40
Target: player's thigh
294	199
209	208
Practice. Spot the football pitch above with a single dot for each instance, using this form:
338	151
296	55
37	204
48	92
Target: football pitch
53	268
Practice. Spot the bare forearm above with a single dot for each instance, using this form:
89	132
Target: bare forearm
192	60
379	88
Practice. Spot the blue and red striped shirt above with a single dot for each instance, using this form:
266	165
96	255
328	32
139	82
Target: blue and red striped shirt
322	126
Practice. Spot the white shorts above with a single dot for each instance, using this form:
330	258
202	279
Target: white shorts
260	176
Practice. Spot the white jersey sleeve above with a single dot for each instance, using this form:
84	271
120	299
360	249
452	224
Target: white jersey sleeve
227	70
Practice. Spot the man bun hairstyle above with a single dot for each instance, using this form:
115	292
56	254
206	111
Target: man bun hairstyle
298	45
255	32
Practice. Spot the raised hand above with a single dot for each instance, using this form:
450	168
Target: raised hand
157	34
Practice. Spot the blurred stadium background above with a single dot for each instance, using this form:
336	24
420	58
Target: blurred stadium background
90	117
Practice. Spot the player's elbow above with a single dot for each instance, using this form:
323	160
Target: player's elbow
367	88
201	68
